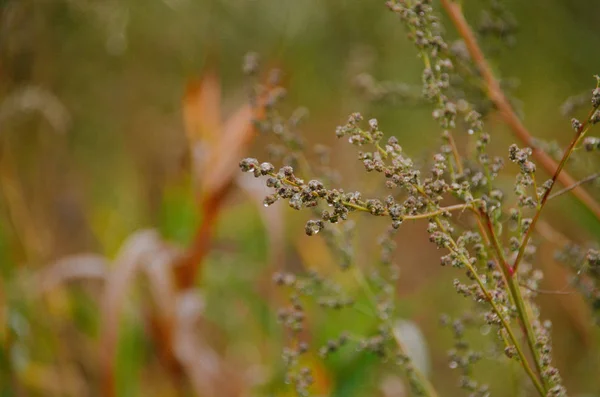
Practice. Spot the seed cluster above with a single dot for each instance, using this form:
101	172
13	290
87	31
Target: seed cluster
293	317
478	245
463	357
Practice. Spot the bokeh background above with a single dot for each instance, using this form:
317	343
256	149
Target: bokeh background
95	151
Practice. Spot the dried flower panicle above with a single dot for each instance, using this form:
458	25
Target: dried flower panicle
488	246
462	357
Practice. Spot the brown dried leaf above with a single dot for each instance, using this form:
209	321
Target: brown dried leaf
159	273
216	164
209	374
137	249
218	172
202	110
221	164
70	268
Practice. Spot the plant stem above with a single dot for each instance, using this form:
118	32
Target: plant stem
425	215
455	153
497	96
578	135
536	382
511	280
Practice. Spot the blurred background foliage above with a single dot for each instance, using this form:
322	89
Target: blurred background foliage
94	149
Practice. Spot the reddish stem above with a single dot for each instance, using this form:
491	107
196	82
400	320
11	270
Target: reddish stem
497	96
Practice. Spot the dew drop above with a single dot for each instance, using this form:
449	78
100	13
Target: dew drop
453	364
470	132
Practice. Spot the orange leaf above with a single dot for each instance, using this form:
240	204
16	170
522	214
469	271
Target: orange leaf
202	110
221	164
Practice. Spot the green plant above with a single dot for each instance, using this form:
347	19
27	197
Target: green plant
491	249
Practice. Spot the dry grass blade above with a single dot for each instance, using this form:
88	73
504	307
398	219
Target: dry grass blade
162	319
70	268
36	99
174	331
202	109
140	247
32	237
221	165
209	374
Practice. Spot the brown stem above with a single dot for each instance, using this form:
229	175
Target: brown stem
511	281
188	267
580	132
497	96
455	153
506	268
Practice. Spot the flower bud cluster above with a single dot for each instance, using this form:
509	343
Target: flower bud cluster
475	245
591	143
333	345
463	357
496	22
526	178
386	91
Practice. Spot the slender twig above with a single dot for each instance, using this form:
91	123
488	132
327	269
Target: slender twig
425	215
362	206
505	266
508	114
578	135
546	291
455	153
587	179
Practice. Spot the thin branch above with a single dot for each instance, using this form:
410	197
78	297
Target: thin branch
546	291
511	280
506	111
581	182
578	135
425	215
505	266
455	153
